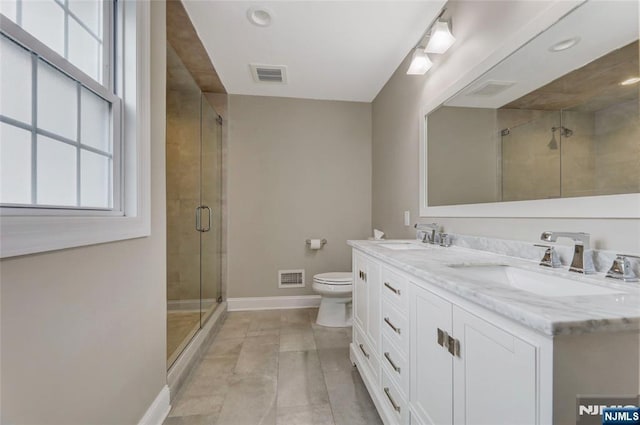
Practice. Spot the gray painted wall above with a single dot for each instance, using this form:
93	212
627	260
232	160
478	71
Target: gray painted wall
480	27
298	169
84	330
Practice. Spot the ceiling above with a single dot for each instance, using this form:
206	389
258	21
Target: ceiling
337	50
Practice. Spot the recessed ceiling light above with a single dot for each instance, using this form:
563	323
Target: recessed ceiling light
259	16
564	44
630	81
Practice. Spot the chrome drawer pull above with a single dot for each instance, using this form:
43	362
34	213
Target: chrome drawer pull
393	365
396	330
392	289
443	338
364	352
453	346
393	402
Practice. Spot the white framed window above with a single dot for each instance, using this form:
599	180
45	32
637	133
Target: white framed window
74	125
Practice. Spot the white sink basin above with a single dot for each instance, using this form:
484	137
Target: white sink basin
537	283
401	246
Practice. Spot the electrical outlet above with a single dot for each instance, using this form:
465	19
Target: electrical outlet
407	218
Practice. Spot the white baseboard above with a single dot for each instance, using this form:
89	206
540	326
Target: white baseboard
272	303
159	409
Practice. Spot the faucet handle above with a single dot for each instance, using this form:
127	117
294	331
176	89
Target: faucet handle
550	258
621	268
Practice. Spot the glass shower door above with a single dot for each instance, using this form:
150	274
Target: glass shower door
211	196
183	196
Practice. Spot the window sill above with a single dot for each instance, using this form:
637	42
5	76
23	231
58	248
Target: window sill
30	235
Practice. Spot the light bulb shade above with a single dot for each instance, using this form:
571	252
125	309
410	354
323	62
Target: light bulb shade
441	38
420	63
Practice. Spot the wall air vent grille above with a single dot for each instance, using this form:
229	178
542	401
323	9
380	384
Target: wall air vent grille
269	73
290	278
490	88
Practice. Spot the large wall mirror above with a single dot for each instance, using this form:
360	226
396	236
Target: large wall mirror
552	130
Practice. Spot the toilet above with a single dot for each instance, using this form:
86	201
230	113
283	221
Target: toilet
335	305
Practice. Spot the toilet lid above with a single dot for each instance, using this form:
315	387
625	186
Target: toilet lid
334	278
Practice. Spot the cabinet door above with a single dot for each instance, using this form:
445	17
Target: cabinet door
431	364
494	375
360	294
375	315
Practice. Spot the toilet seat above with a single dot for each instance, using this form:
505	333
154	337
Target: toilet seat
335	278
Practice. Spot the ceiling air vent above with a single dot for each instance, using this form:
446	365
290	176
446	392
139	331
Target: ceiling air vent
290	278
269	73
490	88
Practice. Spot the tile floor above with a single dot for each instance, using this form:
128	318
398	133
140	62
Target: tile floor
275	368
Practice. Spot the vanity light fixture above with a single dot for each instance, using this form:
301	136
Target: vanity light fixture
420	62
564	44
440	39
630	81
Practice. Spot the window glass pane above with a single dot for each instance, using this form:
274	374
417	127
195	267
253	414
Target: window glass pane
8	9
89	12
44	19
15	81
94	183
84	50
15	165
56	171
57	102
95	121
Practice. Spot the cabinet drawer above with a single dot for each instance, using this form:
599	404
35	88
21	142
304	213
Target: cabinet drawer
396	365
363	347
395	327
395	289
393	400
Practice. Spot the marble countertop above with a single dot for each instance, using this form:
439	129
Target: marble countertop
551	315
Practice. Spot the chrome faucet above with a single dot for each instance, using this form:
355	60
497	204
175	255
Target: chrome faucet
582	261
429	237
550	258
621	268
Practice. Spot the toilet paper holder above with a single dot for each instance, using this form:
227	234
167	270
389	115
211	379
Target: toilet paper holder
322	242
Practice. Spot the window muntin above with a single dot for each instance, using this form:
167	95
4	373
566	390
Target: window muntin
73	120
42	229
77	30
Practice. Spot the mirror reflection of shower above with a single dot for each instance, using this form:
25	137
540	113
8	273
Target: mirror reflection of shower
564	132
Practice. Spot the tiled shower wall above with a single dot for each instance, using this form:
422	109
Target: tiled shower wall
183	194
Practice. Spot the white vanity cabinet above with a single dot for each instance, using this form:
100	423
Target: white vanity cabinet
495	374
434	357
466	370
366	313
428	361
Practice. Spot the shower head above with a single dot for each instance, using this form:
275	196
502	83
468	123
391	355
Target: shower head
553	144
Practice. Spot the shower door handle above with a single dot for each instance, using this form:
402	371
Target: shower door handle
206	229
198	228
